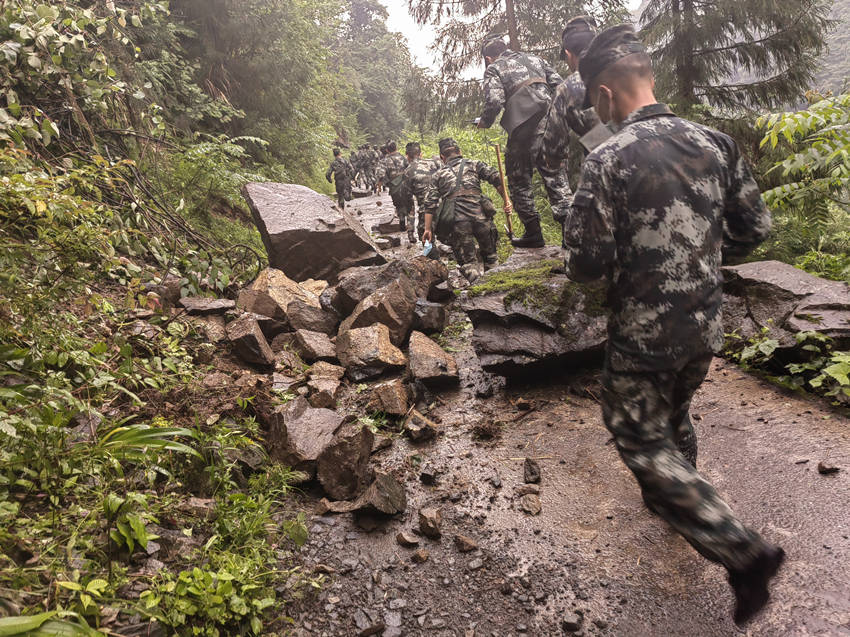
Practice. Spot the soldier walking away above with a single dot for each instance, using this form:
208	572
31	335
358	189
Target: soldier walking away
373	157
523	84
391	174
343	171
658	206
566	116
418	176
458	182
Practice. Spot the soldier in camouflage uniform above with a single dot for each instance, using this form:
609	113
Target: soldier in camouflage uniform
391	174
565	116
471	222
343	171
522	85
418	179
373	159
658	205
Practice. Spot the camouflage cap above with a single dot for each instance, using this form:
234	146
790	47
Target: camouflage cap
446	144
412	147
577	34
609	46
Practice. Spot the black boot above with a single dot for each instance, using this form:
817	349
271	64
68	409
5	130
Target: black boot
750	584
533	237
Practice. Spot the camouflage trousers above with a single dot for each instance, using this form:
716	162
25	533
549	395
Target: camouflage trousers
647	413
462	241
343	193
404	208
521	161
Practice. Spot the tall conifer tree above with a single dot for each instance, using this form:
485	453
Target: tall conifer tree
735	53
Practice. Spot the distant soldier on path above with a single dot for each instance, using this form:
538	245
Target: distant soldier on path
419	176
391	174
522	85
342	171
460	181
657	206
566	116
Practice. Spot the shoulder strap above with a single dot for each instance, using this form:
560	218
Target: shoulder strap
453	193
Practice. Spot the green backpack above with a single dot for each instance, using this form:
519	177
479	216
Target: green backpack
444	218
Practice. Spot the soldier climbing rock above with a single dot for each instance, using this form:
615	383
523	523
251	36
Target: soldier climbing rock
343	172
457	187
419	176
522	85
658	205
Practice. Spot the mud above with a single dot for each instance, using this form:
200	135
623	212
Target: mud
594	555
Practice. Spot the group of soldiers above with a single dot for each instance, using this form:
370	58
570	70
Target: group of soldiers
661	203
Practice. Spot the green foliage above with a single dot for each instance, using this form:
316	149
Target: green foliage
734	54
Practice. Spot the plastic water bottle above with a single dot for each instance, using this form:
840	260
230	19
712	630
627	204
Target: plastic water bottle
426	248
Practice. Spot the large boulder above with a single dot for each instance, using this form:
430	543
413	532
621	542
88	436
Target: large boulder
527	316
343	467
367	352
298	434
271	294
430	363
248	341
393	305
303	316
305	234
786	300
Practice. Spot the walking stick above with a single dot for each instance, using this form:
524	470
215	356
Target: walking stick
509	226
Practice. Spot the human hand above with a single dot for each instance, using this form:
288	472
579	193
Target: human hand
426	236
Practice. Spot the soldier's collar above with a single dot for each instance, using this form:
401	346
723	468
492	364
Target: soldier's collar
647	112
454	160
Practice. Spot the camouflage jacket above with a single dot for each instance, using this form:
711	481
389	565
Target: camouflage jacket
341	169
419	175
391	166
655	208
565	114
506	74
468	201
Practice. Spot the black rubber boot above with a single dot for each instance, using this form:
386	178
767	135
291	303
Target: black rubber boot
750	584
533	237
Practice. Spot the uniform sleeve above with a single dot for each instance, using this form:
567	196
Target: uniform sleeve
488	174
746	219
552	78
434	193
554	143
589	228
381	170
494	96
329	172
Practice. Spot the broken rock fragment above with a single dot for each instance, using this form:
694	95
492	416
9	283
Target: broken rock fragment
204	306
299	433
303	316
390	397
391	305
420	428
430	521
407	539
430	317
342	467
271	294
531	504
367	352
465	544
429	363
323	392
531	471
248	341
313	346
323	369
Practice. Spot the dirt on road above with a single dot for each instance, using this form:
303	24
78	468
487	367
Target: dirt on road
594	560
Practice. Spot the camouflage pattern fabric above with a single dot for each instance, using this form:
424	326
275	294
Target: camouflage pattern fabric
654	206
471	225
506	75
565	115
520	162
342	171
419	175
647	413
390	167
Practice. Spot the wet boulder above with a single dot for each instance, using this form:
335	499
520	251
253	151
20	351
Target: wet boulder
271	294
303	316
313	346
390	397
430	317
298	434
248	341
392	305
367	352
527	316
430	363
785	300
305	234
343	466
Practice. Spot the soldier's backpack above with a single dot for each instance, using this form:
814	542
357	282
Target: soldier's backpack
523	104
444	219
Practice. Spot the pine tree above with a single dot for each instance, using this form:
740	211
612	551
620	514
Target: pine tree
735	53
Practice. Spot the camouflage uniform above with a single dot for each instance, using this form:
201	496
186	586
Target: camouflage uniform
656	205
343	171
565	115
471	224
502	79
419	176
373	160
391	166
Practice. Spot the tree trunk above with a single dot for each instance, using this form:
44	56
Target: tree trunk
513	31
686	71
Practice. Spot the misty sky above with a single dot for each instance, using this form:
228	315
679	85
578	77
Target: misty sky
419	38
